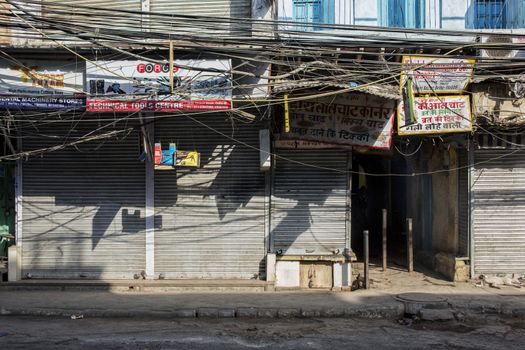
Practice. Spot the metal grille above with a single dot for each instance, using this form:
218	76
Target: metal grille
83	206
210	220
498	209
309	204
463	203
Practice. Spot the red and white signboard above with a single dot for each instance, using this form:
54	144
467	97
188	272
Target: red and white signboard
126	86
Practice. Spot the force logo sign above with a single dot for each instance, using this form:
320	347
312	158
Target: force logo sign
155	68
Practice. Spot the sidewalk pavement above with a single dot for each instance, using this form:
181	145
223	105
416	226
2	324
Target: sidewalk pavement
459	299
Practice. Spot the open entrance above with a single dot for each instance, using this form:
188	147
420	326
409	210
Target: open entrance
373	193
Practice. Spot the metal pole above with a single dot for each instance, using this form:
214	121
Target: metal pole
171	67
410	246
384	240
366	255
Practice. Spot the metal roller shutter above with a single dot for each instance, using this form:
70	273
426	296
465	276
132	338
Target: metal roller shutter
463	202
498	211
309	205
215	8
71	12
83	206
210	220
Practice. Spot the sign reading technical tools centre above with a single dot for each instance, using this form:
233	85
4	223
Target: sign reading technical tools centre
145	86
347	119
437	115
437	75
30	84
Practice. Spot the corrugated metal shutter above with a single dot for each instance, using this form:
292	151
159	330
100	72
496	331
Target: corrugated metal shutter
210	220
69	12
309	204
463	203
130	5
498	211
83	206
216	8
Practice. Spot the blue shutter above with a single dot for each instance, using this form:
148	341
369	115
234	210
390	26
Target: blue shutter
401	13
491	14
415	14
515	12
313	11
397	10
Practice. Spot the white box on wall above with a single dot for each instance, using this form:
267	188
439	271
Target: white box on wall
287	274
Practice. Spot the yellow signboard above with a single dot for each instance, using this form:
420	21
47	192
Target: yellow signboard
189	159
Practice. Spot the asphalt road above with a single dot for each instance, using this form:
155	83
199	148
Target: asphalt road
54	333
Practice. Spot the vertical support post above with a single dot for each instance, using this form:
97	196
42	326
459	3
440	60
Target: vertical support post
171	66
348	210
384	240
286	114
410	246
150	199
366	259
18	199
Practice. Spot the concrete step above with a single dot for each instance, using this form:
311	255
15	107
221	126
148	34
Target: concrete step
186	285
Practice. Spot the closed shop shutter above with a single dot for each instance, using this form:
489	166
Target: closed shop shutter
216	8
210	220
129	5
463	203
83	206
309	204
498	211
101	14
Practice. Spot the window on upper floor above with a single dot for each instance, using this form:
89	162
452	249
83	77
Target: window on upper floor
490	14
313	11
401	13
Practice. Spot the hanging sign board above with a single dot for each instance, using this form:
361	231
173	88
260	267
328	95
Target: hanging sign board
437	75
437	115
43	84
304	144
190	159
163	158
145	86
346	119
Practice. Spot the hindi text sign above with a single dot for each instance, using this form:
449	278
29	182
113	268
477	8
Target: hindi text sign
346	119
437	115
437	75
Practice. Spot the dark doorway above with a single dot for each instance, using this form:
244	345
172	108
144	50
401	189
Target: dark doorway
370	195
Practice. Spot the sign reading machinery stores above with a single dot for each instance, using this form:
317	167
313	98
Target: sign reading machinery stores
140	85
436	115
29	84
348	119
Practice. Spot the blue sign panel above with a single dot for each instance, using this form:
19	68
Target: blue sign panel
42	102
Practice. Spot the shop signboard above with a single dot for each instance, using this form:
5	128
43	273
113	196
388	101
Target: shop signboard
134	85
354	119
42	84
304	144
436	115
437	75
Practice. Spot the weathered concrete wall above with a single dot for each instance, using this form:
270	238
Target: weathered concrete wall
444	201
